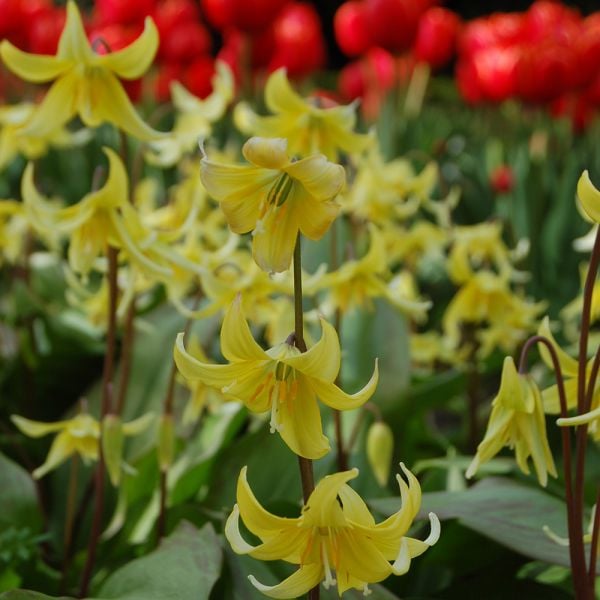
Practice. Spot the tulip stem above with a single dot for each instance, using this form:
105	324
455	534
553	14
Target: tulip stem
306	466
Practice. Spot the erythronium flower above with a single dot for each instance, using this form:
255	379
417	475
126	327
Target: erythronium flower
335	533
281	380
589	197
275	197
86	83
101	218
308	127
79	435
517	420
14	225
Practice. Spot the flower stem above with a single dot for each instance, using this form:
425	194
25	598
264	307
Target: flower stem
306	467
69	518
595	540
126	357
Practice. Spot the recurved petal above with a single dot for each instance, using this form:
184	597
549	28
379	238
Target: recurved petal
355	509
323	359
589	196
336	398
300	422
568	364
57	107
315	217
280	96
37	428
551	398
321	178
37	68
237	343
111	104
115	191
268	153
218	376
296	585
62	447
73	43
134	60
258	520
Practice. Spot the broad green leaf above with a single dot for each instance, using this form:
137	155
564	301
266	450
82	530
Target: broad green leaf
29	595
510	513
184	567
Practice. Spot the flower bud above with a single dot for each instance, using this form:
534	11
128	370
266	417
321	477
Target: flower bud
380	448
112	446
166	442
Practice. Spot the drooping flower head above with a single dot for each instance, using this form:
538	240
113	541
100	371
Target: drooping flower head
275	197
85	83
517	420
281	380
335	535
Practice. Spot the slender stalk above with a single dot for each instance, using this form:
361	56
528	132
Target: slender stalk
473	386
126	357
106	407
306	467
595	540
69	518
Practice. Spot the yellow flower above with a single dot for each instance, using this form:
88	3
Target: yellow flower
589	197
13	230
282	380
275	197
79	435
307	126
335	533
517	420
86	83
194	118
101	218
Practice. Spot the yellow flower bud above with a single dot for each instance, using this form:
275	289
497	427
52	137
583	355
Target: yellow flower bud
166	442
112	446
380	448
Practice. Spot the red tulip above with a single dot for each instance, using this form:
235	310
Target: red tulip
186	42
11	16
350	27
586	48
502	179
44	31
548	19
393	23
124	12
476	35
170	14
496	72
298	40
255	15
219	13
197	77
436	37
162	84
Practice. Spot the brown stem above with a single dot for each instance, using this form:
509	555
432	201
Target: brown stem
126	357
306	467
595	540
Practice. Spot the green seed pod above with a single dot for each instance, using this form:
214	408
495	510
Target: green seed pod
166	442
112	446
380	449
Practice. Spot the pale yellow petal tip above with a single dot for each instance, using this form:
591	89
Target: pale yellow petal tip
435	530
589	196
472	468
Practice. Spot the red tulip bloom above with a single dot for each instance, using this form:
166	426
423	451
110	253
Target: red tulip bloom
436	37
350	27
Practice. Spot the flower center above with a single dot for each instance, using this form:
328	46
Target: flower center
275	202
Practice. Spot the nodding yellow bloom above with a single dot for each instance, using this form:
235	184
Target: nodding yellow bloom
517	420
79	435
275	197
194	118
101	218
281	380
85	83
589	197
308	126
335	535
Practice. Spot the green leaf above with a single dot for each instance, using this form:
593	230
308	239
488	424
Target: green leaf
29	595
18	500
185	566
510	513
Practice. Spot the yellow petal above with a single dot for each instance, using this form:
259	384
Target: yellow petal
258	520
321	179
551	399
37	428
115	192
268	153
569	366
315	217
355	510
297	584
589	197
323	359
134	60
280	96
237	343
336	398
578	419
57	107
73	43
37	68
138	425
218	376
109	102
62	447
300	422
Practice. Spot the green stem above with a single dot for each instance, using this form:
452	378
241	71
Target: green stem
69	519
305	464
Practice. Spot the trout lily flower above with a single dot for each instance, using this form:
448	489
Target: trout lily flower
85	83
281	380
589	197
79	435
335	535
517	420
307	126
275	197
